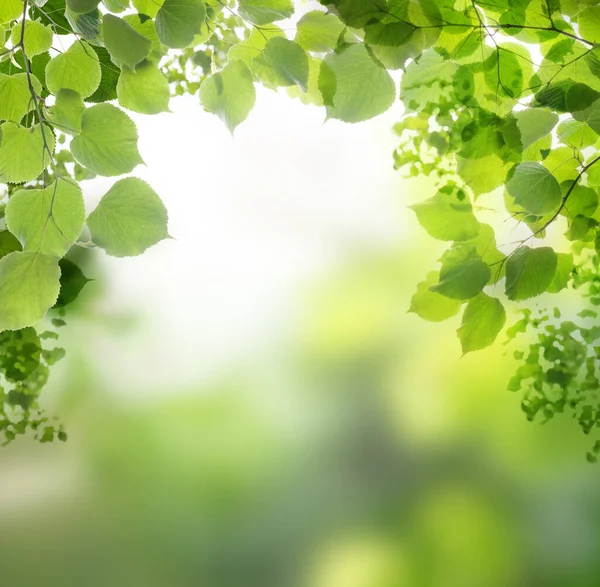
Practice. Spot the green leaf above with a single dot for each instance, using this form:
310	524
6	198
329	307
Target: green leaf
22	153
448	215
178	21
145	90
107	144
229	94
47	221
432	306
107	89
564	268
483	319
148	7
15	96
282	63
10	10
529	272
38	37
67	112
116	5
129	219
354	87
262	12
318	31
535	123
8	243
125	45
76	69
534	188
72	281
582	200
82	6
463	274
589	23
29	285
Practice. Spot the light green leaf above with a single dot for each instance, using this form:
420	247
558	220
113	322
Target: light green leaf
589	23
15	96
107	144
564	267
29	285
145	90
145	27
482	175
282	63
249	48
178	21
38	37
47	221
318	31
483	319
432	306
22	153
534	188
463	274
529	272
448	215
354	87
582	200
76	69
148	7
125	45
265	11
67	112
535	123
116	5
10	10
229	94
129	219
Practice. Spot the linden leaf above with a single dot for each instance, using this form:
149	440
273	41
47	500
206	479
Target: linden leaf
22	153
67	112
15	96
432	306
145	90
125	45
534	188
129	219
76	69
229	94
38	37
29	285
48	221
448	215
529	272
178	21
282	63
107	144
354	87
483	319
82	6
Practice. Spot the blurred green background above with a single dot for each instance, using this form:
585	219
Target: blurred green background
353	447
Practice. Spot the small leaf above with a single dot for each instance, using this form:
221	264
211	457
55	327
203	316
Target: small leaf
354	87
229	94
29	284
48	221
282	63
107	144
145	90
22	153
448	215
529	272
265	11
125	45
483	319
463	274
129	219
564	267
432	306
76	69
178	21
534	188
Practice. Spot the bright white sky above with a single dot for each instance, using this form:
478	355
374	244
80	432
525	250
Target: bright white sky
256	218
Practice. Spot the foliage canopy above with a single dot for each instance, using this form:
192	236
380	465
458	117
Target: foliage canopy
502	103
